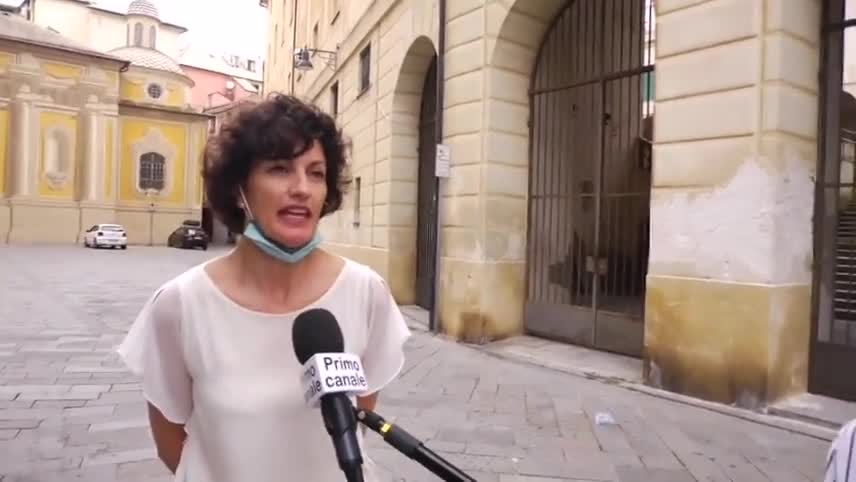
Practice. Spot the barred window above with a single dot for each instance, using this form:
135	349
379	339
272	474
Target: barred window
152	171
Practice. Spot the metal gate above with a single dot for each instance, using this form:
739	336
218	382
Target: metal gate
590	175
426	218
833	352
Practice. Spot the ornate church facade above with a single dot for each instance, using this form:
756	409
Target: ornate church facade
90	136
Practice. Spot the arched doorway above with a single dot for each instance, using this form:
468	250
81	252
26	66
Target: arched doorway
426	204
591	101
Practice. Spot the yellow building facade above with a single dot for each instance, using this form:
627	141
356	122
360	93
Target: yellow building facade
90	137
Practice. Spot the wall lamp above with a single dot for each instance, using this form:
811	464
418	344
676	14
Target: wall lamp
303	58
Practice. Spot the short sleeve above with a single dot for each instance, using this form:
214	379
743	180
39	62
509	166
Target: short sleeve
383	356
153	349
841	452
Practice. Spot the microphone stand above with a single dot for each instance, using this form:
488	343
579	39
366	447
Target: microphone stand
412	447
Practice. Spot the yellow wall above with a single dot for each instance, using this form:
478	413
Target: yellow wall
4	134
132	91
175	95
6	58
62	71
69	121
135	91
134	129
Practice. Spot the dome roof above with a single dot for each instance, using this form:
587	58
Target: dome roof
149	58
143	7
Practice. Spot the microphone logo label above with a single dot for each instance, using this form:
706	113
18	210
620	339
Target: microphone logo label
326	373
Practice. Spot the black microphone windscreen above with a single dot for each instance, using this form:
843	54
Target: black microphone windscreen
316	331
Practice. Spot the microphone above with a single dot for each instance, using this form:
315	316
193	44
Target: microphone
329	376
412	447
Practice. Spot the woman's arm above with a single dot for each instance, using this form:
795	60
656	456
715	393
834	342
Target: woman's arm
169	438
369	402
154	350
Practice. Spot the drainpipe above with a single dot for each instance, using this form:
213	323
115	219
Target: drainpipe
434	322
293	43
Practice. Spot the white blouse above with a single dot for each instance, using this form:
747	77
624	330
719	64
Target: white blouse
231	376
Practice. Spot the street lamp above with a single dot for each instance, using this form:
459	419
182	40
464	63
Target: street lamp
228	94
303	58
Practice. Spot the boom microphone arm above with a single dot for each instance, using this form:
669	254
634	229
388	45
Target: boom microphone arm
412	447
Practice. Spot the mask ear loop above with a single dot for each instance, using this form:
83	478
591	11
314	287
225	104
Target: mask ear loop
245	204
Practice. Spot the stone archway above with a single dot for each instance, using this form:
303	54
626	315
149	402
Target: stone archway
489	272
403	174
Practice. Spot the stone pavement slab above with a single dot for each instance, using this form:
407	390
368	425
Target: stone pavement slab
70	412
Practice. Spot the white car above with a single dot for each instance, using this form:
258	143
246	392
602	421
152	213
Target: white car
111	235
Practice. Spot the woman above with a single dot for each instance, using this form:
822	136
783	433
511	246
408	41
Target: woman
214	345
841	457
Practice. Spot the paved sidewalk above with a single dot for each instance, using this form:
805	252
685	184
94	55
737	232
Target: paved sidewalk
70	412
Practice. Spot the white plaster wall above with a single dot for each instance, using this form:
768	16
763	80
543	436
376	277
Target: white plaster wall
733	193
68	18
751	229
96	29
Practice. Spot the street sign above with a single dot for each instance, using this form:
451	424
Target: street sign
442	163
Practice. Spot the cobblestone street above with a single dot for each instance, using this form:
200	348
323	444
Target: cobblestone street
70	412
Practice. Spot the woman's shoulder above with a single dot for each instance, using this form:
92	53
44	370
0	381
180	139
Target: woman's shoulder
170	291
359	273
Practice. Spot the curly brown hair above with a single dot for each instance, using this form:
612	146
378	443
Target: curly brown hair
281	127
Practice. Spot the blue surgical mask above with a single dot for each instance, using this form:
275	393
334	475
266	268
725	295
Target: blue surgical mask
254	233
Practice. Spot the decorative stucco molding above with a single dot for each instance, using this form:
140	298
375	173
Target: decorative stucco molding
58	148
155	141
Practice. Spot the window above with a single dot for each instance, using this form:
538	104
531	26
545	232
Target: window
155	91
153	37
138	34
315	36
334	99
251	65
365	68
357	192
152	171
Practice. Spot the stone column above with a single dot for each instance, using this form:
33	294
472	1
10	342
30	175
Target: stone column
92	149
728	292
490	54
22	154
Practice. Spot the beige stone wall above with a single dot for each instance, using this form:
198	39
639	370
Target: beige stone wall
380	122
490	53
727	314
732	198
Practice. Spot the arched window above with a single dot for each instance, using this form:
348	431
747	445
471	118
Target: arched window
152	171
128	39
138	34
153	37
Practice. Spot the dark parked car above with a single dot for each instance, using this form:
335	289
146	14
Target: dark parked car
189	235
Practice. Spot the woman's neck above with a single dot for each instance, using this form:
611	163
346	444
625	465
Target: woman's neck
268	275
